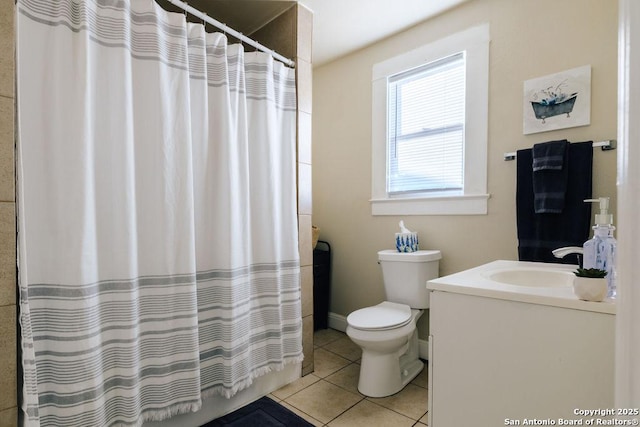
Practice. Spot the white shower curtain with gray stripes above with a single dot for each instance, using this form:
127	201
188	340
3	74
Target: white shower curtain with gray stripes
158	255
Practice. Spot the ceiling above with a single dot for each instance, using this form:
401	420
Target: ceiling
343	26
339	26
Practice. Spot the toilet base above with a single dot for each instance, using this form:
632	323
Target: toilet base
386	374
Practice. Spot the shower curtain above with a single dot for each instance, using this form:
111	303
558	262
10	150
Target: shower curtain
157	228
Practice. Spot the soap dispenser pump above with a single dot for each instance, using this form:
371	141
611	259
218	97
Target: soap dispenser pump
600	251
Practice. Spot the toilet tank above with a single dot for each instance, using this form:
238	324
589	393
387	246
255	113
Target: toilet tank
405	275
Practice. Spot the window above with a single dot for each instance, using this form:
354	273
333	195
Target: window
430	128
426	127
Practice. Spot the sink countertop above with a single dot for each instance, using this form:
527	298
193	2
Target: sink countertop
476	282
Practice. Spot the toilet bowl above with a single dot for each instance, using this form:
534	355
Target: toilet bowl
387	332
389	349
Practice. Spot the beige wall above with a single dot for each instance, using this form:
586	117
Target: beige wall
8	399
529	39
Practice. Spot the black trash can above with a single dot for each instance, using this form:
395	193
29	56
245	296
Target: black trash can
321	285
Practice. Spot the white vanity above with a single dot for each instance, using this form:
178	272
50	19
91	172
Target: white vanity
509	341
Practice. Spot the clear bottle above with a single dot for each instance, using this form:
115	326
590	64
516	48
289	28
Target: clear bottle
600	251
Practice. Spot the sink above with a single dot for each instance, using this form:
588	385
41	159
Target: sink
533	277
548	284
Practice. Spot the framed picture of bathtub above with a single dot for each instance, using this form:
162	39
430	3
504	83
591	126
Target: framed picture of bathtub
557	101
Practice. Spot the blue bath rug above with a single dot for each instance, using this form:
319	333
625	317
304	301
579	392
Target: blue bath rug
264	412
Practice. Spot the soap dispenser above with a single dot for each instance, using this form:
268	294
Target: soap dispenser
600	251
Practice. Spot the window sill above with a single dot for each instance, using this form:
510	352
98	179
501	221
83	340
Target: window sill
475	204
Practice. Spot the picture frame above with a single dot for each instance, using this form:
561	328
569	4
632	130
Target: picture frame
557	101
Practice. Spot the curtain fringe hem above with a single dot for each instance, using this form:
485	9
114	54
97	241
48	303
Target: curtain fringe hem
228	393
173	410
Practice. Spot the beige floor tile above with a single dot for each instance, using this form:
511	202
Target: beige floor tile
422	379
326	363
302	415
274	398
425	419
344	347
323	401
294	387
325	336
411	401
368	414
347	378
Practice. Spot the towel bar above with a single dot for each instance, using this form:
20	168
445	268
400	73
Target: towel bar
607	145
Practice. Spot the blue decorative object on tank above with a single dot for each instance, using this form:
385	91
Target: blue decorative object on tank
406	241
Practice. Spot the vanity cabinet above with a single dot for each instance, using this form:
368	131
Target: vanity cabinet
493	361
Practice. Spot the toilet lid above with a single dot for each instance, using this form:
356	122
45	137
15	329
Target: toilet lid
385	315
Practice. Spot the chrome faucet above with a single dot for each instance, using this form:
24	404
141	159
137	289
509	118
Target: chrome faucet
563	252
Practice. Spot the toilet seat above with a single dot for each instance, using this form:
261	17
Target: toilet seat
384	316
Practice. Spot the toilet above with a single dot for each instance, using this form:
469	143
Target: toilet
387	332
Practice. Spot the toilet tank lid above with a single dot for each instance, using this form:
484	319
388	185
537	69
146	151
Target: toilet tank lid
417	256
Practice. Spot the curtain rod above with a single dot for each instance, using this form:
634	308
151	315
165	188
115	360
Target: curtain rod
607	145
206	18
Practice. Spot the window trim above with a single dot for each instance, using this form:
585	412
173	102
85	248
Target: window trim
472	200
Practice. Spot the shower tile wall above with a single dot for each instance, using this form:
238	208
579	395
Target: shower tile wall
290	35
8	397
303	74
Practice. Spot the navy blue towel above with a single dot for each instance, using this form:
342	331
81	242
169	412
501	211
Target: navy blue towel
550	172
539	234
549	155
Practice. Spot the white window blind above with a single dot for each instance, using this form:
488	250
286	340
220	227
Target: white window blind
426	117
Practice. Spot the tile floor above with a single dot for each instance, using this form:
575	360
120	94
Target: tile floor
329	396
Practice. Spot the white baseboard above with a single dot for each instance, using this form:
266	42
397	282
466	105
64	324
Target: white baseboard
339	323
